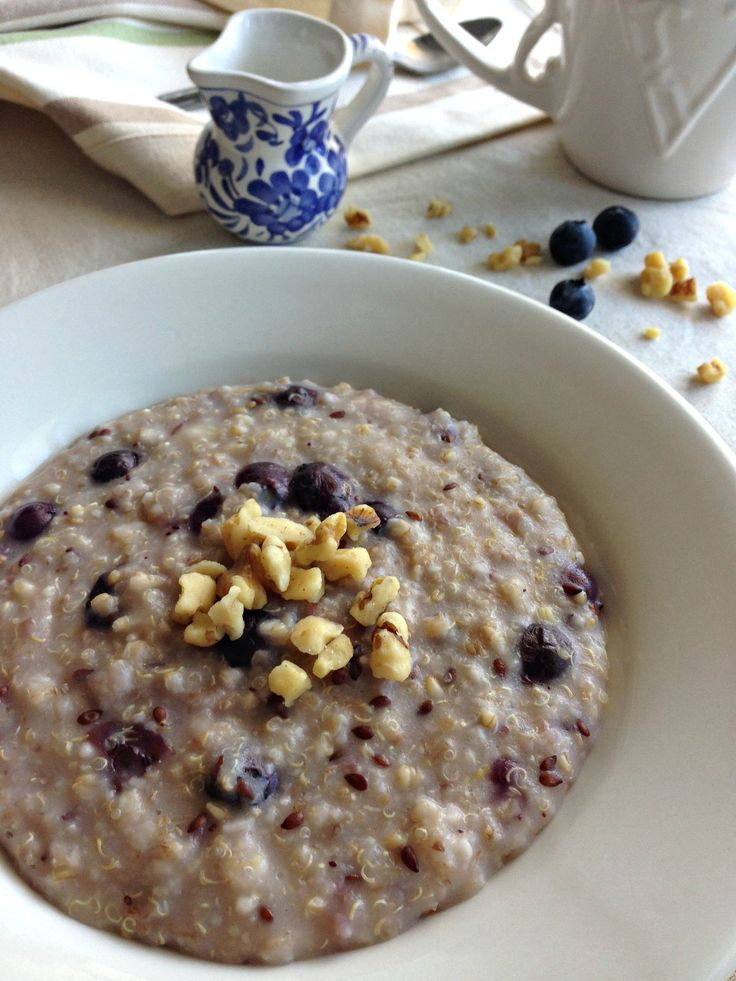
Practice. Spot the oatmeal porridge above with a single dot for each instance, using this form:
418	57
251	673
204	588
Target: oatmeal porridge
285	669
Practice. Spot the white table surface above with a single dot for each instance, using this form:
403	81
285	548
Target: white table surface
62	216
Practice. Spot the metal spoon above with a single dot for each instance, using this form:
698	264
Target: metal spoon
423	55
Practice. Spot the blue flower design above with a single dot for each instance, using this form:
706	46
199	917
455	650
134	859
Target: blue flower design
332	182
231	117
306	142
207	157
285	204
265	194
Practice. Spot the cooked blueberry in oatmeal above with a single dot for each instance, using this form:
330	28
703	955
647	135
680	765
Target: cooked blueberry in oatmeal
285	669
546	653
205	509
30	520
296	395
272	476
113	465
101	607
240	779
321	487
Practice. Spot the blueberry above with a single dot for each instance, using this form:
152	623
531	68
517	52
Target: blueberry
239	778
571	242
574	297
546	653
130	748
385	512
110	466
30	520
272	476
616	227
500	772
239	653
205	509
575	579
321	487
99	621
297	396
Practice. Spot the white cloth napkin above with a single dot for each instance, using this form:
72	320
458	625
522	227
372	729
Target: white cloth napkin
96	69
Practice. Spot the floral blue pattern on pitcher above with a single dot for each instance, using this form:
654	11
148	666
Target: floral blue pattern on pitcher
270	166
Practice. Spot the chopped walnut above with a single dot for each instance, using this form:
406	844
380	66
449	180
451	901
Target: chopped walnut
684	290
722	298
655	282
208	568
508	258
198	593
276	561
655	260
202	632
290	681
369	243
357	217
312	634
334	656
390	658
305	584
352	563
361	519
227	614
595	268
529	251
327	537
490	230
467	234
369	604
438	208
680	270
712	371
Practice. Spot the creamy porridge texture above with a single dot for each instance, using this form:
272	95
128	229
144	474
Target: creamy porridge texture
165	769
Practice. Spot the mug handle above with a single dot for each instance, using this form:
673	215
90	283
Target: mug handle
544	92
350	118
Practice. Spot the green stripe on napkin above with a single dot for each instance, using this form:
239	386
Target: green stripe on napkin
120	30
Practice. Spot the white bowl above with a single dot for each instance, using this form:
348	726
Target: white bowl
636	877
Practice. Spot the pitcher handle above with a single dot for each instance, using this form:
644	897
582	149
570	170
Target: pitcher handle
350	118
544	92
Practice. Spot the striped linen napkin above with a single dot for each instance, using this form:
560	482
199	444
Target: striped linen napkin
96	69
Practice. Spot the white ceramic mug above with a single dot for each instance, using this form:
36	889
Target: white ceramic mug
643	95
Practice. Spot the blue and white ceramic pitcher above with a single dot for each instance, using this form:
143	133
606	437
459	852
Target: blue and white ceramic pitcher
270	167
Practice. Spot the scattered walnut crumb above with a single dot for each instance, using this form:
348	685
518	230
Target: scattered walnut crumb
357	217
467	234
655	280
438	208
722	298
680	270
509	258
712	371
651	333
423	246
490	230
655	260
369	243
684	290
529	251
598	267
